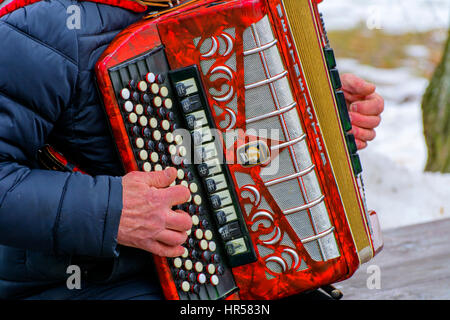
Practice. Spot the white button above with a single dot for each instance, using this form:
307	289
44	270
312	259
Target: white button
214	280
154	88
143	155
128	106
164	92
180	173
139	109
177	263
193	187
184	183
197	200
150	77
199	234
158	167
203	244
211	268
142	85
201	278
156	135
143	121
168	103
168	137
198	266
132	117
178	139
173	151
182	151
147	167
165	124
185	286
157	102
188	264
195	220
154	157
208	234
139	142
212	246
153	123
125	94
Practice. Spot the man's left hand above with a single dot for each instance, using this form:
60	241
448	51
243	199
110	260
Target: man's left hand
365	107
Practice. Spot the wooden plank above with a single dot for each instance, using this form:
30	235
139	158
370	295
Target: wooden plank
414	264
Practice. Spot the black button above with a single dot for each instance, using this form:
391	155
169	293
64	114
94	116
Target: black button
216	202
203	170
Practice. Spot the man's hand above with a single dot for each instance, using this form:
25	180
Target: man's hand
148	221
365	107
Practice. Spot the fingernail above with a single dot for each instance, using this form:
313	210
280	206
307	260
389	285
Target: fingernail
354	107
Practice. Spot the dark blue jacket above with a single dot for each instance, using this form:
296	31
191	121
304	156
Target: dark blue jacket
49	220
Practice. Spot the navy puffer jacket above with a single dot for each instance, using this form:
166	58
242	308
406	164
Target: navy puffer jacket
50	219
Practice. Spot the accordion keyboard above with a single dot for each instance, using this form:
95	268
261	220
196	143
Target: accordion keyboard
154	112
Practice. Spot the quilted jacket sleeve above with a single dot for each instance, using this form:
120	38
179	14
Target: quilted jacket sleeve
43	210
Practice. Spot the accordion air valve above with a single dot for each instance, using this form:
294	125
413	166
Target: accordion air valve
244	99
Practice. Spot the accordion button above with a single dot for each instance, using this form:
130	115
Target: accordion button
185	286
208	235
188	264
158	167
139	109
154	157
150	145
214	280
153	123
157	102
215	258
142	86
128	106
192	209
185	253
125	94
165	124
168	103
181	274
150	77
168	137
212	246
201	278
221	217
176	160
139	143
182	151
197	200
154	88
145	98
132	117
149	111
178	139
177	262
195	220
199	234
198	266
220	269
135	131
132	84
211	268
143	155
173	151
184	183
147	167
143	121
193	187
135	96
156	135
203	244
335	79
180	173
163	92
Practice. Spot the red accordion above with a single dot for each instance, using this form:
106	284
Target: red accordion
243	98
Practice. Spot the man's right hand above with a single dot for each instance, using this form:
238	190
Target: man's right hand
148	221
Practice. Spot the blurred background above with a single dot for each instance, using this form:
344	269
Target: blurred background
398	44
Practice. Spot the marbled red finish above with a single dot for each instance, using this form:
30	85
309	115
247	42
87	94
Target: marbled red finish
176	32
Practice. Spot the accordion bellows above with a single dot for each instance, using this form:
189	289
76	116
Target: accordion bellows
277	178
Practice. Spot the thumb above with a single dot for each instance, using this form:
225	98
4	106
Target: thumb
162	179
356	86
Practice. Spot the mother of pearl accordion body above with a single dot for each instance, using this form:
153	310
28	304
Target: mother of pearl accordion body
284	211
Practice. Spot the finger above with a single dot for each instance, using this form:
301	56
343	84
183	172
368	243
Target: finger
178	220
163	250
363	121
176	195
373	105
350	98
360	144
356	85
160	179
171	238
363	134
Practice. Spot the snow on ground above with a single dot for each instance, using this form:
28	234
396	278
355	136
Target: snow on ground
396	186
394	16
